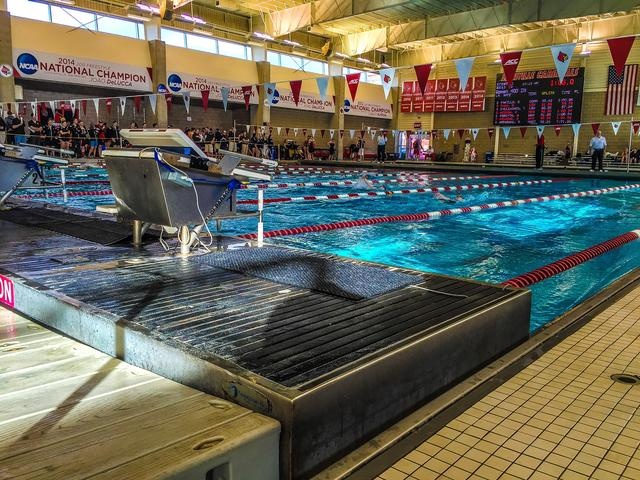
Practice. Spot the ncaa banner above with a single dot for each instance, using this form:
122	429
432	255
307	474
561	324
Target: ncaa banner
177	83
68	69
367	109
284	98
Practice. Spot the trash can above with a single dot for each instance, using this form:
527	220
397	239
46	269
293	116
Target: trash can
488	157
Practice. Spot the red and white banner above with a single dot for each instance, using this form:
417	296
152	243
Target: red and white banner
69	69
444	95
7	292
178	82
353	80
369	109
510	62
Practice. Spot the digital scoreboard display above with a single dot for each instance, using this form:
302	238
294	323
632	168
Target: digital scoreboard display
539	98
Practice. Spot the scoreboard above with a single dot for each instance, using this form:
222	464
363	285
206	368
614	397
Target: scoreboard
539	98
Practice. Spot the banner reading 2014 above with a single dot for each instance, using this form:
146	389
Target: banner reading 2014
68	69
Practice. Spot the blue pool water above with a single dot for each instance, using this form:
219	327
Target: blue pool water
490	246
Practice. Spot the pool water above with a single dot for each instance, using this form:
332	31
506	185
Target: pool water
491	246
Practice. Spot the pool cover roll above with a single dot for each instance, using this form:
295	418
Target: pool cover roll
311	271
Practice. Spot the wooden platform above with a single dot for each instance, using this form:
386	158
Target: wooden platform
69	412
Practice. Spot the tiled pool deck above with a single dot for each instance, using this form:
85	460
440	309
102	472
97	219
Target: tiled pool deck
560	417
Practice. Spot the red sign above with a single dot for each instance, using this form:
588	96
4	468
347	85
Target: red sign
7	296
418	100
444	95
417	125
407	97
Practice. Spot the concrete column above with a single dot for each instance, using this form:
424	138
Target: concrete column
152	29
158	55
262	114
7	84
337	122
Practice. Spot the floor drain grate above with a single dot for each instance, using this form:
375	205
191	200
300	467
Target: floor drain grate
626	378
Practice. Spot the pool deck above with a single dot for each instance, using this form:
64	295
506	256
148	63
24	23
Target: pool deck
294	354
560	417
70	412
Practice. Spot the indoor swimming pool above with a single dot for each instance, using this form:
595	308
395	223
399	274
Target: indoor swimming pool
490	246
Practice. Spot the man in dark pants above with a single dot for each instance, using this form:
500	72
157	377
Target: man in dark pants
540	152
598	144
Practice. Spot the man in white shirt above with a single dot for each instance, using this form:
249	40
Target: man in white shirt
382	146
598	145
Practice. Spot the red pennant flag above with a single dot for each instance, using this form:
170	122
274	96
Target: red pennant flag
270	130
491	131
636	127
322	132
296	86
84	106
137	101
246	93
620	48
205	99
434	133
523	131
510	62
461	132
109	102
353	80
169	99
595	127
341	133
287	131
423	72
304	132
557	129
362	133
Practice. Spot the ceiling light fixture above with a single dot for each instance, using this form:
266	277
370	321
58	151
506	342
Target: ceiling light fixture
202	32
263	36
138	17
291	43
148	8
189	18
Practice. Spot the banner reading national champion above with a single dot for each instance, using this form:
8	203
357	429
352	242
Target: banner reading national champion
444	95
77	70
539	98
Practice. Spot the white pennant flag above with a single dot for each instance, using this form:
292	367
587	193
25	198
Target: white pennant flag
123	104
352	133
295	132
224	93
394	132
96	105
474	132
34	108
269	91
463	66
506	131
322	83
386	77
52	104
16	108
447	132
616	127
562	58
331	133
73	106
373	134
313	132
153	100
186	98
278	129
540	130
248	128
576	128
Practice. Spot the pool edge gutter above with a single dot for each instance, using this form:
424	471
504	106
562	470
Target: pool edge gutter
382	451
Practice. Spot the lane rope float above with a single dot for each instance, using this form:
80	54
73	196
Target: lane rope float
416	217
570	261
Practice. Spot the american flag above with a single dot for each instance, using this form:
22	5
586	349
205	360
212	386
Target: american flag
621	91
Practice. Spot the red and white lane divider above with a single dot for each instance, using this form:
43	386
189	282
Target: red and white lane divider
417	217
88	193
571	261
340	183
384	193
